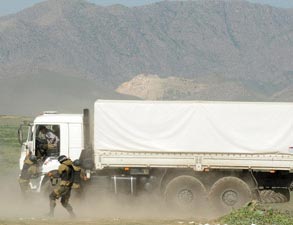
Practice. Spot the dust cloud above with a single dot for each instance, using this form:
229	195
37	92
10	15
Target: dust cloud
91	206
13	204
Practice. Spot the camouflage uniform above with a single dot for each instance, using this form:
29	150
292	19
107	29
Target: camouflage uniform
29	170
78	176
65	172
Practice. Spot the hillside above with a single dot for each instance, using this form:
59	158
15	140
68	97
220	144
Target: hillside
248	47
153	87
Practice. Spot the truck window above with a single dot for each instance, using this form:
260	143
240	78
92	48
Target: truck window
47	140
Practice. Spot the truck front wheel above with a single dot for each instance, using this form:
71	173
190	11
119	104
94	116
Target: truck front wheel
229	193
185	193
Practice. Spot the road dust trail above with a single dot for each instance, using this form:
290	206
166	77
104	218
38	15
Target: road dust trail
13	204
91	206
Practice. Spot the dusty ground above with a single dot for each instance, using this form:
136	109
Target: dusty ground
99	222
103	210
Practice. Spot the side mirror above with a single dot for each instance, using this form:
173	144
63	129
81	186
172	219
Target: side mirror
20	135
23	132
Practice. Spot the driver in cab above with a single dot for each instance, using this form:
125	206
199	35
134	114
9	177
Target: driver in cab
48	146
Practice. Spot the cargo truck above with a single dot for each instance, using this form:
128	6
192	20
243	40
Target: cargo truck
184	151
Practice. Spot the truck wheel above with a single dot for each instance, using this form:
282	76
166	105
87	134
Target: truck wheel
229	193
285	193
185	193
275	196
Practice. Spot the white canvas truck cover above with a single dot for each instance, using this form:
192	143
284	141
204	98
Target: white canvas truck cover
196	127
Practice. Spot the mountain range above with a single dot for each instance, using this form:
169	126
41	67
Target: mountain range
63	54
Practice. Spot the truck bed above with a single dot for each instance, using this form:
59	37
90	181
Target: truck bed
197	161
200	135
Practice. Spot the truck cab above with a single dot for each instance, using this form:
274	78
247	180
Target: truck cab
67	127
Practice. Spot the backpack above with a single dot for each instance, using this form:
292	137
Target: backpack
71	174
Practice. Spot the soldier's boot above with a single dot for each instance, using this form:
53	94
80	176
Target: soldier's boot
68	207
50	214
24	187
52	205
71	213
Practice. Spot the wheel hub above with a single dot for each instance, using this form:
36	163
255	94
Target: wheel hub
230	197
185	196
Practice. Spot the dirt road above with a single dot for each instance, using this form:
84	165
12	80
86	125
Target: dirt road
105	210
101	222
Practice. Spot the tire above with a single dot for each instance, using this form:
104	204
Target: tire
278	195
185	193
284	192
229	193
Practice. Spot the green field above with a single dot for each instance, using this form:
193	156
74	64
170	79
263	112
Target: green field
9	146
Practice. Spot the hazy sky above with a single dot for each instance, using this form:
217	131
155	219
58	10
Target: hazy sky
12	6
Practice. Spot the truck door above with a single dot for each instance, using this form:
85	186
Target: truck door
25	140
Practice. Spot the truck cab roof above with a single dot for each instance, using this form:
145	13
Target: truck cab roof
58	118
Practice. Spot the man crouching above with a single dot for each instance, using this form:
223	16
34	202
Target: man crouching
29	171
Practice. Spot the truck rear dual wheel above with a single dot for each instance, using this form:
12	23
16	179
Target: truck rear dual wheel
229	193
278	195
185	193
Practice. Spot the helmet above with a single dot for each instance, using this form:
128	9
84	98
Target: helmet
33	158
62	158
76	162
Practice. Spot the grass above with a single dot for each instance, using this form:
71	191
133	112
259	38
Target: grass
9	146
259	215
